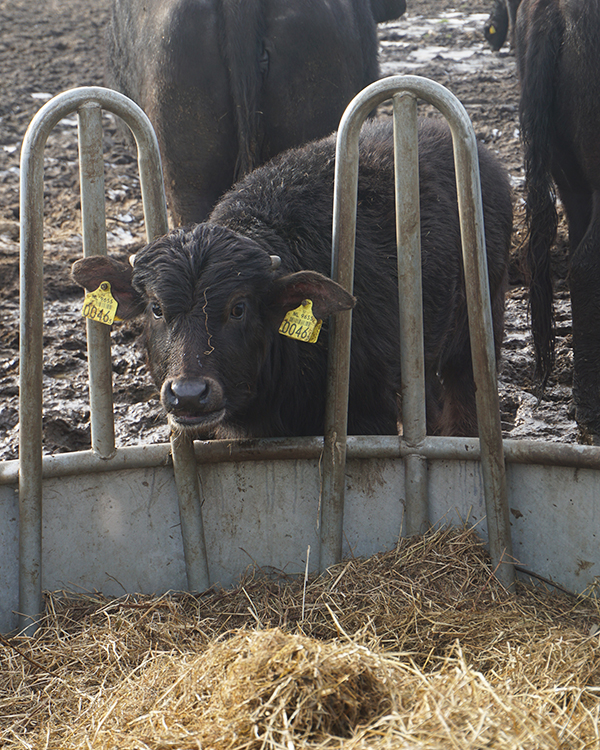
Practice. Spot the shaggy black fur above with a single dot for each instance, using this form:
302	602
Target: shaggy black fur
559	68
214	302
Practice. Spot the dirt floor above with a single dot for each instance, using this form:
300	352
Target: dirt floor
46	48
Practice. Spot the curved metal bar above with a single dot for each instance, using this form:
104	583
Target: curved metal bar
478	303
87	101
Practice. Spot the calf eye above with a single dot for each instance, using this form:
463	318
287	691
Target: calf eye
156	310
238	310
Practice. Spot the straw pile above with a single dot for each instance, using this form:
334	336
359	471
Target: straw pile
416	648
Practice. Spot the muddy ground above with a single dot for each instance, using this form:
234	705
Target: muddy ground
48	47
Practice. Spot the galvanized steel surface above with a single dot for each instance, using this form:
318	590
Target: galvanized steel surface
93	225
521	452
119	531
478	303
190	512
88	100
410	306
415	448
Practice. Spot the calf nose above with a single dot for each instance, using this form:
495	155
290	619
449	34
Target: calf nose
190	395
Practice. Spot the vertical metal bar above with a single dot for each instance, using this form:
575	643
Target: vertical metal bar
152	185
470	208
338	369
184	462
340	331
190	512
31	303
30	379
93	219
479	311
483	356
410	306
182	449
155	218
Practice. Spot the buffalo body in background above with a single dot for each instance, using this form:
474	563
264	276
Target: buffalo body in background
501	23
213	301
559	70
227	84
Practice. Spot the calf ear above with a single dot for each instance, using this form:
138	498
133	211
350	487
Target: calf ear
92	271
327	296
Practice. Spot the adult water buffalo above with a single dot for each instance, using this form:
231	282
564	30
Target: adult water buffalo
559	68
500	22
214	301
228	84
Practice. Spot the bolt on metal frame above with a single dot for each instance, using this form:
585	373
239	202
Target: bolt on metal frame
404	92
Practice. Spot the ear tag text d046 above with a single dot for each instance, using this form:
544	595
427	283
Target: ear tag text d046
301	324
100	305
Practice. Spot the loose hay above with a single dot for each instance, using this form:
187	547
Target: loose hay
416	648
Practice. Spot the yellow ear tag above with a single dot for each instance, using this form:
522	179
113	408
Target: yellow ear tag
492	29
301	324
100	305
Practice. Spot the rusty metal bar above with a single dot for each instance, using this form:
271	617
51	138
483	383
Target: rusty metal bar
478	303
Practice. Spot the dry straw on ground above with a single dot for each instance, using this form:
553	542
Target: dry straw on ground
416	648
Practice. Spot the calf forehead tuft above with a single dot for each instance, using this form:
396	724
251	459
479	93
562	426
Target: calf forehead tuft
205	255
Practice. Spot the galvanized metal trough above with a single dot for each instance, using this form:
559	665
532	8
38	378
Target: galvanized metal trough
185	516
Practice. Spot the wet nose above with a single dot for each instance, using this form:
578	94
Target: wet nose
187	395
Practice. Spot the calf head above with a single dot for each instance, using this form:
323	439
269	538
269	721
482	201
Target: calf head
213	301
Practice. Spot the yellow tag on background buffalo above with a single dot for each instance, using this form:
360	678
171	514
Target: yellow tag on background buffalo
301	324
100	305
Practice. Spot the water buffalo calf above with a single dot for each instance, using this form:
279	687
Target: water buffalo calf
213	300
227	84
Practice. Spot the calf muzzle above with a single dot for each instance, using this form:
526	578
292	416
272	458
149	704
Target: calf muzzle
193	402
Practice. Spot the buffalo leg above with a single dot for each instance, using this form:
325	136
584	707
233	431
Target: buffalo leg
584	282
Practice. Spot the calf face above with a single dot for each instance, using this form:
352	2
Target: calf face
213	302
